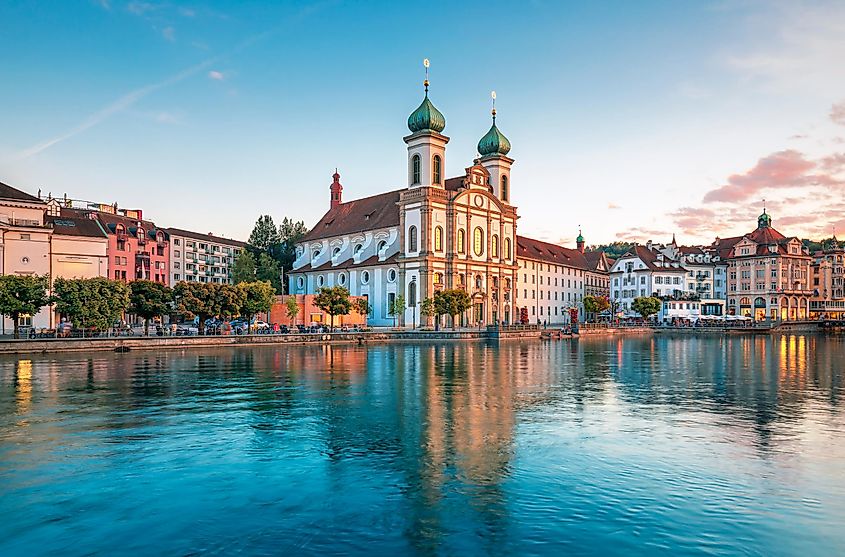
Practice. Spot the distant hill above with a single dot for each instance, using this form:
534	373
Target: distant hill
613	249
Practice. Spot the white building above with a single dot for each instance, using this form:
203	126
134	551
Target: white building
196	257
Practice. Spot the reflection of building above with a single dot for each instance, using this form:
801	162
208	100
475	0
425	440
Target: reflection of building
198	257
768	273
828	282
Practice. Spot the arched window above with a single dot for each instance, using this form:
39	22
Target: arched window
412	238
494	246
438	278
508	249
358	248
382	245
335	252
478	241
504	188
412	294
436	171
438	238
461	240
415	169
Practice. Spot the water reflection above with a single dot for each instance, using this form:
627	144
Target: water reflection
483	448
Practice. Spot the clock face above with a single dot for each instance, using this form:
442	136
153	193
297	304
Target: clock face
479	201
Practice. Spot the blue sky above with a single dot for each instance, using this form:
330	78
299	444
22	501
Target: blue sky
634	120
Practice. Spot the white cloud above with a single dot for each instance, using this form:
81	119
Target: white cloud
169	33
218	76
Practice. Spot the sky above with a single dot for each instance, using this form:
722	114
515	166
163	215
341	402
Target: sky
632	120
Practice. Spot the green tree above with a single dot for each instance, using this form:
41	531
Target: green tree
290	233
362	307
148	299
291	309
228	299
595	305
96	302
244	267
265	235
258	297
452	303
646	305
428	310
334	301
613	249
269	270
397	308
196	299
22	295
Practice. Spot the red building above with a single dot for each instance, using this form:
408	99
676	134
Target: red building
138	249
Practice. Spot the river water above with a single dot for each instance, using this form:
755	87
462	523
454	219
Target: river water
612	446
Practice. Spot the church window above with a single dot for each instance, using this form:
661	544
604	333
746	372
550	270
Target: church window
461	241
391	275
381	245
412	294
436	172
494	246
320	280
412	238
341	279
359	248
365	277
478	241
438	238
335	252
415	169
507	248
504	188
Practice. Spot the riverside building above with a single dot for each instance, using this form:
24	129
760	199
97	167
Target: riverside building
196	257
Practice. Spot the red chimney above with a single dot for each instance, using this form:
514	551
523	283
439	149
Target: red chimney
336	189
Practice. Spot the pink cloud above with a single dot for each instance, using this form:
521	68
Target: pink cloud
837	113
784	169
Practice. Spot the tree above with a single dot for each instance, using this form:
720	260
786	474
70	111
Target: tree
362	307
291	309
452	303
646	305
196	299
397	308
229	300
428	310
96	302
334	301
269	270
265	235
258	296
22	295
596	304
290	233
148	299
244	267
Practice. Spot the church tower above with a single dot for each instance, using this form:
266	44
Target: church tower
336	189
426	145
493	148
579	241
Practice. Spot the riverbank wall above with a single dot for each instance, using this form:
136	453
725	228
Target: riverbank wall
125	344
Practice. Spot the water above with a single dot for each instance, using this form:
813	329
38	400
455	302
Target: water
623	446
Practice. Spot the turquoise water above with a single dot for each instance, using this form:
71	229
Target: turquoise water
626	446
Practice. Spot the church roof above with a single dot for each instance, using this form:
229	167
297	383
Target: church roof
358	215
529	248
348	264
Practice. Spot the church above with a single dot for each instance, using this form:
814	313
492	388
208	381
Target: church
436	233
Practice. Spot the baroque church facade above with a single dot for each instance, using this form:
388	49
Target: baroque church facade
435	233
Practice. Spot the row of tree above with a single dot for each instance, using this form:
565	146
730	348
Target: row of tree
100	302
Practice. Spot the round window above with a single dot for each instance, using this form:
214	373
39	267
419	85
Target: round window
365	277
391	275
341	279
300	282
335	252
320	280
24	260
359	248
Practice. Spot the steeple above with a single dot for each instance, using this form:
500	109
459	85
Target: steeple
336	189
764	220
426	145
493	148
579	241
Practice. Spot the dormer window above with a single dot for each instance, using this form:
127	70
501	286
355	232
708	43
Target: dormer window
335	252
359	248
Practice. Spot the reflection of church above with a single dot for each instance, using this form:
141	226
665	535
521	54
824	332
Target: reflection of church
436	233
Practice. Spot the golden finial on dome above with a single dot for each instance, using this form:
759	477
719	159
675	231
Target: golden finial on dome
493	112
426	63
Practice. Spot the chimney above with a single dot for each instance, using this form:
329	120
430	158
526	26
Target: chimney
336	189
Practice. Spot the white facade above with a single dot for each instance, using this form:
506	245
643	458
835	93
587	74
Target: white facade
196	257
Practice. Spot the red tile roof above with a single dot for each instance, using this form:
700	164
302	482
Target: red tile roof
368	213
529	248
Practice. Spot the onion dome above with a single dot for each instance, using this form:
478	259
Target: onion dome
426	117
764	220
494	142
580	238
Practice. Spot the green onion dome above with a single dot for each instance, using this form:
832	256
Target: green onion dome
494	142
764	220
426	117
580	238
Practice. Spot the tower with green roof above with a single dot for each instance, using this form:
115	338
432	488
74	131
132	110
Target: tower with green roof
493	148
426	144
